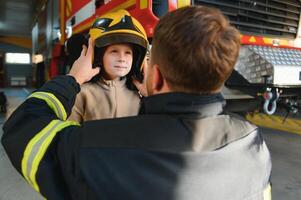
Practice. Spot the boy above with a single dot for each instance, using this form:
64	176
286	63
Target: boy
119	52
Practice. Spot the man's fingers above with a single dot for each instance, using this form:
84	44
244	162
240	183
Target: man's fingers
90	47
140	86
83	50
96	70
136	83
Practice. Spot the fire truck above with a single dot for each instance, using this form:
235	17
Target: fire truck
267	74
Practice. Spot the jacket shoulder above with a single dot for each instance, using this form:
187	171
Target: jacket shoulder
152	132
214	132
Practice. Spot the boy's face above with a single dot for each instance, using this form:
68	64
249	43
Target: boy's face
117	60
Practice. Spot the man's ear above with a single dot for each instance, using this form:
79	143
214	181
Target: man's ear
158	79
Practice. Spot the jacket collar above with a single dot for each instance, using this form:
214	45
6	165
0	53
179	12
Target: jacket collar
107	84
183	103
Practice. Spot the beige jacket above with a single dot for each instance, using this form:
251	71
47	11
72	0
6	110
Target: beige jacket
105	99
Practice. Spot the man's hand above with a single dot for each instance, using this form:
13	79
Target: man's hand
82	69
141	87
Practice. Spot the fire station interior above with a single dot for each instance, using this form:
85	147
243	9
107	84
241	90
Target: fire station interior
32	52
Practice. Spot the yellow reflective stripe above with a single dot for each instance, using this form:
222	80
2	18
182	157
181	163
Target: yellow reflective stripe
182	3
143	4
267	193
29	147
36	148
52	102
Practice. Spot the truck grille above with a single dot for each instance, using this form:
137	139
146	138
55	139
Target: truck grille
260	17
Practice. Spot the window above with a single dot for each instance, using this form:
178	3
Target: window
17	58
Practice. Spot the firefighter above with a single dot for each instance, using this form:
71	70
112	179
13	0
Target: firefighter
181	145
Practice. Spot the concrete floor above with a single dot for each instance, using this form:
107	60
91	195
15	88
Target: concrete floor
12	184
285	150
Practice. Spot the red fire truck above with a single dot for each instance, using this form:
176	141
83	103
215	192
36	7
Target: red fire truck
268	72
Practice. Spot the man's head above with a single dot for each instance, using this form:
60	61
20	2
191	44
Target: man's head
194	50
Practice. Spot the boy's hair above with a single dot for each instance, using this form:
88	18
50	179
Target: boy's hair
195	48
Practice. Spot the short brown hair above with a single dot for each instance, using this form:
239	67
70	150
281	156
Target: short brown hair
196	49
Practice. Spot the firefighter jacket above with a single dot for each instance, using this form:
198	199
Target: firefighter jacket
105	99
180	147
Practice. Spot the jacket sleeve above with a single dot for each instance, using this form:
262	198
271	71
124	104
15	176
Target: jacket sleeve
30	135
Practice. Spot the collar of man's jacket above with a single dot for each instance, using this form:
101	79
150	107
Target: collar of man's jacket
183	103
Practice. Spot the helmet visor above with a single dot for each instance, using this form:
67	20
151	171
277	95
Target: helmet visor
120	38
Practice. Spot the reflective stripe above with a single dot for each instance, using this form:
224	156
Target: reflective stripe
52	102
267	193
182	3
36	148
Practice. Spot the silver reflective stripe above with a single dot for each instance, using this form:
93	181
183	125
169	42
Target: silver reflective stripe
57	107
53	102
35	149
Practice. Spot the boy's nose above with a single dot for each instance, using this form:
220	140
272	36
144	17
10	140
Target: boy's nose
122	57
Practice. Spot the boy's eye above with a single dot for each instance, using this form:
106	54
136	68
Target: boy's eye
128	52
